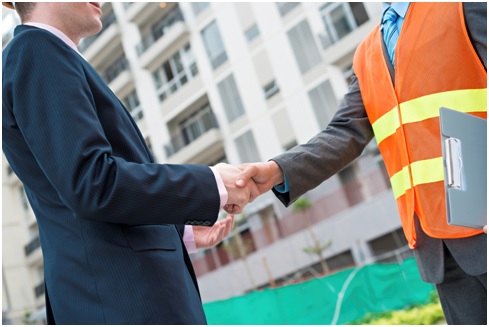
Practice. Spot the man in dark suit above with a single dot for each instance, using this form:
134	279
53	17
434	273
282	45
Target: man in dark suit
110	219
440	60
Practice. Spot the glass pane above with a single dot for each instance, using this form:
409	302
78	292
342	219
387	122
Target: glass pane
213	45
359	12
285	7
340	21
252	33
178	62
168	71
183	79
157	79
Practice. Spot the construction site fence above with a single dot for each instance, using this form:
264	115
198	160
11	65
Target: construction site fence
340	298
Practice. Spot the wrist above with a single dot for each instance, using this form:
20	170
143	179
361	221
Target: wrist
276	173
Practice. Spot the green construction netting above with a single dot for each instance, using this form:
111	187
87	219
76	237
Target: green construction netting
339	298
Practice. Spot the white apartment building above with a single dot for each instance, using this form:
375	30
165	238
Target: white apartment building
232	82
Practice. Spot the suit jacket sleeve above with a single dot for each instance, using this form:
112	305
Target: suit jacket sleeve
308	165
52	105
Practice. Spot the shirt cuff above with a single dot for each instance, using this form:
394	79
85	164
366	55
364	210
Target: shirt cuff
283	188
223	193
189	240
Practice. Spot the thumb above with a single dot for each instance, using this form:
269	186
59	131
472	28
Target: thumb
248	171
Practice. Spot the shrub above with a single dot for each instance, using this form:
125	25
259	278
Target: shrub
418	314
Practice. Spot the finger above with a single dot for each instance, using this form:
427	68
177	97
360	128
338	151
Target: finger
243	166
229	208
229	224
220	235
254	191
236	209
212	240
248	172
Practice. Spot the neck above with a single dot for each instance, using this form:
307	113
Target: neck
48	13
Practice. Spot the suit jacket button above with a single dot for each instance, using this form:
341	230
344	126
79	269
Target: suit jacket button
207	223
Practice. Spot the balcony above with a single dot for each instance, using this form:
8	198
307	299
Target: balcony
197	141
33	252
156	43
32	246
121	81
140	12
39	290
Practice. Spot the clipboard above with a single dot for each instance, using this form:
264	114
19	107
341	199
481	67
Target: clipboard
464	147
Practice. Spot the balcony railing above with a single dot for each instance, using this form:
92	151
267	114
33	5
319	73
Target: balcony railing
191	132
32	246
136	113
39	290
106	22
117	67
159	30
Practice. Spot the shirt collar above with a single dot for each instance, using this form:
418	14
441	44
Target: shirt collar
399	7
57	33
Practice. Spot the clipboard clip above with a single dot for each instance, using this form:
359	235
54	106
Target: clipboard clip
454	163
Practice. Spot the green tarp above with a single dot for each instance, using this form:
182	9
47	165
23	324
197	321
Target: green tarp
339	298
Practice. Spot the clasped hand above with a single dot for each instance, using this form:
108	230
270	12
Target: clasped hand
248	181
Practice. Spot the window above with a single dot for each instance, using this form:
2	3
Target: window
304	47
348	74
290	145
213	45
231	99
271	89
351	184
252	33
247	148
390	247
340	18
175	72
285	7
323	101
131	101
198	7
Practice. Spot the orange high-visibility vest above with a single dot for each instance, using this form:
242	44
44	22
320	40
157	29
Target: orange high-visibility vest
435	65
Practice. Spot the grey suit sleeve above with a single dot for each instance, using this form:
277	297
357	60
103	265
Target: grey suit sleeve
475	14
308	165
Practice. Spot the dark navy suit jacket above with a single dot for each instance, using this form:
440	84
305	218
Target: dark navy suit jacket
107	214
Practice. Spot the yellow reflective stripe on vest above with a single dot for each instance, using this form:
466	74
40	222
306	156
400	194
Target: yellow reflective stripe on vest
474	100
386	125
423	172
401	182
460	100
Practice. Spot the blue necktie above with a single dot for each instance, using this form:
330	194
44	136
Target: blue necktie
390	31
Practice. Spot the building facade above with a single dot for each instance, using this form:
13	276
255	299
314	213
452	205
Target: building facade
233	82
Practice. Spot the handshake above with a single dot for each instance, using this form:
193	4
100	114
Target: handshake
248	181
